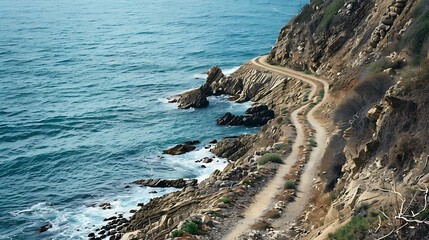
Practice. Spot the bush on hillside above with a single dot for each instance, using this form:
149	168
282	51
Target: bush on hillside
269	157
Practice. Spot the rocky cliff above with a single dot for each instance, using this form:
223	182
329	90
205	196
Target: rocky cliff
374	171
374	178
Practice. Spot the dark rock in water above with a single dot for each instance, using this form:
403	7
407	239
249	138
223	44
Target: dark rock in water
45	227
105	206
230	119
213	141
194	98
255	116
110	218
91	235
256	109
177	183
203	166
194	142
153	192
179	149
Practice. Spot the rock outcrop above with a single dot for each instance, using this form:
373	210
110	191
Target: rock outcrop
255	116
162	183
179	149
194	98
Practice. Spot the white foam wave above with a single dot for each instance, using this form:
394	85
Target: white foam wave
200	76
229	71
77	223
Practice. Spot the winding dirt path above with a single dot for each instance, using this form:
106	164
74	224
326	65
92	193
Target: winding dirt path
264	200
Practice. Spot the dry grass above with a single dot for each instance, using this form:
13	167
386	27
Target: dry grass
322	202
260	225
273	214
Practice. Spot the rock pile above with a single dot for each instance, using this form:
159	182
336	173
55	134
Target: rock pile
112	230
387	21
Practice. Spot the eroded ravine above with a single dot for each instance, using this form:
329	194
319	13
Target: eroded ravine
265	198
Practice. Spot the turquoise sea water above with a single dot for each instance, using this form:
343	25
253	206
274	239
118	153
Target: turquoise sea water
82	100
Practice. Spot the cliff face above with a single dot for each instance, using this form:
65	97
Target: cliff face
375	168
334	37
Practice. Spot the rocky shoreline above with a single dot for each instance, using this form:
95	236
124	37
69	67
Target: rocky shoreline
218	202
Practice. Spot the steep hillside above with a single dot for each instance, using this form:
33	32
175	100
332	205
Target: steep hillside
373	179
375	169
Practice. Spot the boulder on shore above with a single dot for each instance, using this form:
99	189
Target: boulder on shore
179	149
163	183
255	116
194	98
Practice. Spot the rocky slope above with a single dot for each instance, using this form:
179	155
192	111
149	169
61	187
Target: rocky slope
374	172
374	178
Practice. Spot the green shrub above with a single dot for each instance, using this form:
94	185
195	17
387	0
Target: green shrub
380	65
191	228
305	14
330	12
269	157
280	146
176	233
308	71
417	36
317	2
332	196
289	184
312	142
225	199
423	215
245	182
357	228
321	93
307	94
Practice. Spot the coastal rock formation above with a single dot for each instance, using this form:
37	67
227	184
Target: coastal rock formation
233	148
162	183
194	98
375	168
214	75
45	227
197	98
179	149
255	116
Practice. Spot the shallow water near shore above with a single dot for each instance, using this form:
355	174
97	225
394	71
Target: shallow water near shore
83	87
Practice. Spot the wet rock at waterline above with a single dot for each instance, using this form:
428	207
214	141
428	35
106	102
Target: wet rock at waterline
162	183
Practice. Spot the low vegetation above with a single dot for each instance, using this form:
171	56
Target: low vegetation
225	199
330	12
312	142
189	227
382	64
418	35
270	157
357	228
289	185
273	214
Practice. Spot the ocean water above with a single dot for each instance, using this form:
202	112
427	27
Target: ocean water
83	110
